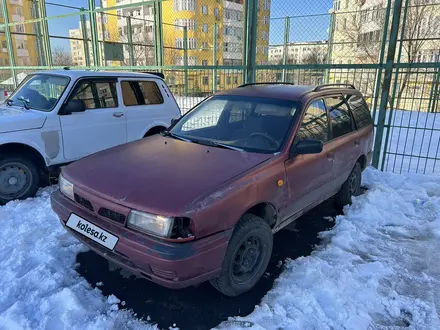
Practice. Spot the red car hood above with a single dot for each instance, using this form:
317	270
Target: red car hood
159	175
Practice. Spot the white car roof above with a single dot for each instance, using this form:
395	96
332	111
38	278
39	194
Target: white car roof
75	74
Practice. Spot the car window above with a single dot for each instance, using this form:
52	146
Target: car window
360	111
340	117
250	123
40	91
314	125
141	93
97	95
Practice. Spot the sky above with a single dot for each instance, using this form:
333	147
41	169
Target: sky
306	28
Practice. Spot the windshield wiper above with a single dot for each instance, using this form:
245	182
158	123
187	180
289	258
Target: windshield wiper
9	102
217	144
226	146
178	137
26	102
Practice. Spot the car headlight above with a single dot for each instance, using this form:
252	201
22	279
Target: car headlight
150	223
66	187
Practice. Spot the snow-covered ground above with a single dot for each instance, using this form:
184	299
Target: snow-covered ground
378	268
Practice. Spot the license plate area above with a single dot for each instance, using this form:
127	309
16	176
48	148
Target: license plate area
92	231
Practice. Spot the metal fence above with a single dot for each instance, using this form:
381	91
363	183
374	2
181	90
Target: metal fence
389	50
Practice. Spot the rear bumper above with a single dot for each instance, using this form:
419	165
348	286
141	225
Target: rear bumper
173	265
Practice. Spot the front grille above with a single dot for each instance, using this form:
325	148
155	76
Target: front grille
112	215
84	202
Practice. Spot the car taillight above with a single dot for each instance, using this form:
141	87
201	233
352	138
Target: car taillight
5	93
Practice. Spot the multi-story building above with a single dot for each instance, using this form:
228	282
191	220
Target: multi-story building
357	38
311	52
25	46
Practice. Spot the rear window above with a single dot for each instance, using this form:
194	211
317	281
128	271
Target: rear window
360	111
141	93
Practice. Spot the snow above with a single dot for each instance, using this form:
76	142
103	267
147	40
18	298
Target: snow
40	288
378	268
414	142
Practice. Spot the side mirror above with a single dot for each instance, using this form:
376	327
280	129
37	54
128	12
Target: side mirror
74	106
174	121
307	147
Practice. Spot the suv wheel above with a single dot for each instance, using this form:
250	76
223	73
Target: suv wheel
247	256
19	178
351	187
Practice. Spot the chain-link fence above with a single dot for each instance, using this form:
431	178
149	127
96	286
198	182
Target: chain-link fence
389	50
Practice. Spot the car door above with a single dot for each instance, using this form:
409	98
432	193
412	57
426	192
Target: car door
144	105
344	138
310	176
101	126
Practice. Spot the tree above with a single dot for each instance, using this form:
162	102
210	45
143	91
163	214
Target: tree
60	57
363	29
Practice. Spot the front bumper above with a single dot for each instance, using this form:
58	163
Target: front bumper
173	265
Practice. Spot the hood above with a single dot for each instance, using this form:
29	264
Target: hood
159	175
18	119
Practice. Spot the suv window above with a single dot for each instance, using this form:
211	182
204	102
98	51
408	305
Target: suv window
314	124
340	117
359	110
141	93
97	95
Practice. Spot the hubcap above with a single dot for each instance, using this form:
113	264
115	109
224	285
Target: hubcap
247	259
15	179
353	183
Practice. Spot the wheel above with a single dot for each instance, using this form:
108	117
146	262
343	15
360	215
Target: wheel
247	256
351	187
19	178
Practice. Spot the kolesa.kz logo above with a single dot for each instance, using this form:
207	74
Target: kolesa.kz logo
85	228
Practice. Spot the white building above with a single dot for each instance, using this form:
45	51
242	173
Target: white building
300	52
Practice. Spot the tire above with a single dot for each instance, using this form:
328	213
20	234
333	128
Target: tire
19	178
351	187
251	243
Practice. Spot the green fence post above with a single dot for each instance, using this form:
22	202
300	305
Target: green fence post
185	57
9	44
330	45
392	44
158	29
45	32
396	78
214	61
251	40
39	34
94	33
286	45
381	56
85	37
130	42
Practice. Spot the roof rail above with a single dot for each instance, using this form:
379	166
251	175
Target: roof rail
159	74
321	87
266	83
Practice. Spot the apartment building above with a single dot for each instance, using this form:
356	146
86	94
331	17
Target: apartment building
25	47
311	52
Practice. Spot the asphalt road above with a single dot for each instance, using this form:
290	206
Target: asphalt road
202	307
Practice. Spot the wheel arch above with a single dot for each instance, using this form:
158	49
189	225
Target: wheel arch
264	210
26	150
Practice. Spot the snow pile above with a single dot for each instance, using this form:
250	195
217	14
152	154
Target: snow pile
377	269
40	288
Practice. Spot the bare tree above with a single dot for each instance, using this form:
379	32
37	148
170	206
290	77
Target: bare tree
60	57
364	30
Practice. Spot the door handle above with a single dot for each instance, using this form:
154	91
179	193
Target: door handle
118	114
330	156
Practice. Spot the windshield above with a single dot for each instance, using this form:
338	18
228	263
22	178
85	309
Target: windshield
40	92
247	123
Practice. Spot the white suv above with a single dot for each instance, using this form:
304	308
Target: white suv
56	117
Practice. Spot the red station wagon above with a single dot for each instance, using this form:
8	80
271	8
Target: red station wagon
202	200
